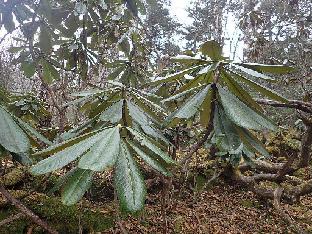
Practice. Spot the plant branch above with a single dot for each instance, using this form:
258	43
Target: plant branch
208	133
35	218
11	219
277	205
295	104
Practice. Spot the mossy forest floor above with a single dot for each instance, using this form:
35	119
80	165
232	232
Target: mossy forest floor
188	208
219	209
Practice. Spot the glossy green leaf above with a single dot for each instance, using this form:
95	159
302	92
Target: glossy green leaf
144	141
33	132
149	159
7	19
179	96
252	142
12	137
45	40
113	113
274	69
252	72
64	157
191	105
104	152
226	137
205	112
76	186
261	89
129	182
174	77
28	68
243	95
241	114
49	72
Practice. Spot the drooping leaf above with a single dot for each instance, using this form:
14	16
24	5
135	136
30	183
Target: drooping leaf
57	147
205	112
129	182
137	114
124	46
252	72
45	40
49	72
144	141
87	93
149	159
33	132
191	105
64	157
22	158
188	59
104	152
197	81
113	113
3	152
103	4
132	6
144	101
241	114
261	89
72	23
180	95
155	133
274	69
175	76
243	95
61	181
76	186
116	73
28	68
252	142
7	19
226	137
12	137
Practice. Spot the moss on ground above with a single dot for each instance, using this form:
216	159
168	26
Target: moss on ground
65	219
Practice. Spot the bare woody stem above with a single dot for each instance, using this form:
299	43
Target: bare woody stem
194	148
35	218
294	104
